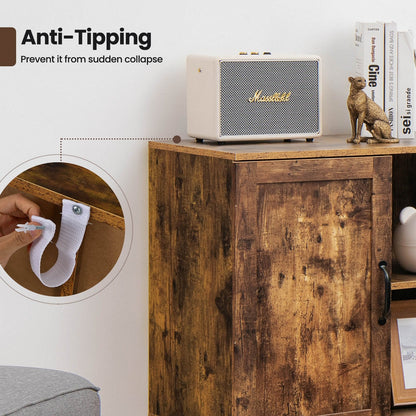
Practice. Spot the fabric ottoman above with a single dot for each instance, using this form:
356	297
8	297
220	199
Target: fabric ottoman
26	391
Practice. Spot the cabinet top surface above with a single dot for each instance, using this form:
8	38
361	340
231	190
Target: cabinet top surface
324	146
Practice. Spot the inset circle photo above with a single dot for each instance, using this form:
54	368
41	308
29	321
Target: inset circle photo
78	257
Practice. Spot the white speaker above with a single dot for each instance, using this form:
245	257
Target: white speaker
253	97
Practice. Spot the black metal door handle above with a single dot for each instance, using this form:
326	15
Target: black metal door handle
387	289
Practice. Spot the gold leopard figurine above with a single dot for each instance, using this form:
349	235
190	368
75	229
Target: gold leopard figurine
364	110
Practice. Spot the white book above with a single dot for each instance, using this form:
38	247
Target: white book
369	60
405	85
390	75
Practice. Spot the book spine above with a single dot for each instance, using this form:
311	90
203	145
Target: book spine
369	58
405	86
390	75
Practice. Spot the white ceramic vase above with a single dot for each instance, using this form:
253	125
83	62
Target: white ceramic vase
404	239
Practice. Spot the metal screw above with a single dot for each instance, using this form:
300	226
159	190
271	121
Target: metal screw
76	209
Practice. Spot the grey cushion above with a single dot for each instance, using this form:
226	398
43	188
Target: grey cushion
26	391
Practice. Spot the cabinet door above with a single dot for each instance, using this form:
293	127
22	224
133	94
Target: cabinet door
308	288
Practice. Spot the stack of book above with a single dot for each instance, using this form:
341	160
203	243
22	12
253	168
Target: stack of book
385	57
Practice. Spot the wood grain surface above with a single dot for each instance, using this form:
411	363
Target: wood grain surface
305	345
55	181
325	146
75	182
190	246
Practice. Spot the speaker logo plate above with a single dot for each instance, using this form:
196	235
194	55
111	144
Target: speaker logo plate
277	97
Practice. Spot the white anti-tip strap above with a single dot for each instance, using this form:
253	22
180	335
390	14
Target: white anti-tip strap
74	221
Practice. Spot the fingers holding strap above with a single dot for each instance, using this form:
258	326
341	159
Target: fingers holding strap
74	221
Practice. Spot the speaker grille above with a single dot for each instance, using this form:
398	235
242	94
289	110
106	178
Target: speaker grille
239	80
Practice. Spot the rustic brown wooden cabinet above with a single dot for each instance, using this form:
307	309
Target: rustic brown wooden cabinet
266	294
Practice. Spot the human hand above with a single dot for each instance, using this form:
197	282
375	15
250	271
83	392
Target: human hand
15	209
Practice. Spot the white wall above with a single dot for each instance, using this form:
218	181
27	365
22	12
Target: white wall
104	337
